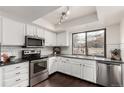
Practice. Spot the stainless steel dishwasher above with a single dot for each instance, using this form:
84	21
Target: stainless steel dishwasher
109	74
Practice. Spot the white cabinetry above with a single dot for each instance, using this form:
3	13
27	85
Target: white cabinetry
84	69
88	73
56	39
1	77
50	38
12	32
89	70
40	32
62	39
67	66
31	30
52	66
0	30
76	69
123	74
16	75
64	65
61	66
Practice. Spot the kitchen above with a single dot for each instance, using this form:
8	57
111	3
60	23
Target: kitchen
82	43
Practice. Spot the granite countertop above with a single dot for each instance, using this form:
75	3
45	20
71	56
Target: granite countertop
19	60
90	58
93	58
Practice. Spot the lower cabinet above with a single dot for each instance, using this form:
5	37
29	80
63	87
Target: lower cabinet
61	66
52	65
1	77
76	69
64	66
89	73
16	75
83	69
67	68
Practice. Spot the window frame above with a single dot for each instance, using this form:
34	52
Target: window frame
86	49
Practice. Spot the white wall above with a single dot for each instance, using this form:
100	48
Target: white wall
122	38
112	38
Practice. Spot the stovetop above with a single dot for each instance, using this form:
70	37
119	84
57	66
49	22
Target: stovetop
36	58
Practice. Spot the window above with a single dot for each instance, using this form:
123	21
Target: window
89	43
79	43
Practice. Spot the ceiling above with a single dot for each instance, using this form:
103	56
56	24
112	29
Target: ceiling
75	12
48	16
27	13
109	15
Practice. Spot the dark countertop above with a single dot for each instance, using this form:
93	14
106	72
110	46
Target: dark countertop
19	60
90	58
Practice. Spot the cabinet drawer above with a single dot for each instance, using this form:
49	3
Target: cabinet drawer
22	84
15	67
15	81
90	63
12	74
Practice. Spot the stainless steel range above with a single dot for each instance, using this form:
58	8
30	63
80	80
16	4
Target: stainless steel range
38	66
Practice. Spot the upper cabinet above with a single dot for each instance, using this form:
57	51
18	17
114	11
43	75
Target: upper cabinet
56	39
62	39
31	30
50	38
0	31
12	32
40	32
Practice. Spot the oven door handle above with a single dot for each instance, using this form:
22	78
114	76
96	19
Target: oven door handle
38	61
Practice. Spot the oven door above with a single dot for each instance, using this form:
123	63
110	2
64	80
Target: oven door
38	67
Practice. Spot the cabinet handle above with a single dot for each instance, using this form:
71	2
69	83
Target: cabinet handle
18	79
17	67
17	73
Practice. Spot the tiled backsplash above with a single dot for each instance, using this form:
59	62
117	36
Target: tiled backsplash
110	47
16	51
122	51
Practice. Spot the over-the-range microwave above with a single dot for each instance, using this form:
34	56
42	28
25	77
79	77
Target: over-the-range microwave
32	41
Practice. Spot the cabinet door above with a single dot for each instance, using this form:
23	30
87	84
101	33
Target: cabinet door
67	68
63	39
31	30
12	32
89	73
76	69
61	66
40	32
1	77
0	30
52	65
50	38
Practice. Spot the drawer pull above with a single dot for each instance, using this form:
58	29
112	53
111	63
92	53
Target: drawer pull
17	67
18	79
17	73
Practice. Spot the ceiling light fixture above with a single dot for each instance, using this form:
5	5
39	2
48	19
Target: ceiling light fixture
64	15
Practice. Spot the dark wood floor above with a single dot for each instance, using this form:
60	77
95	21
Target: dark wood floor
62	80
